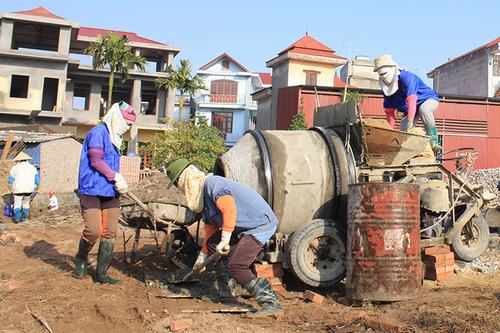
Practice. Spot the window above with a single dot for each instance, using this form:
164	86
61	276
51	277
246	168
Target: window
225	64
224	91
49	94
81	96
223	121
311	78
19	86
496	65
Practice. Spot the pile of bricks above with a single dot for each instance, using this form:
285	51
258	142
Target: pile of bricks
439	262
273	272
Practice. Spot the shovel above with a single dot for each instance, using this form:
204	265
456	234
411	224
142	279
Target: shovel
197	269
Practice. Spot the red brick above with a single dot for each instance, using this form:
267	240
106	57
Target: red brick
313	297
385	324
439	276
279	287
275	281
268	270
441	249
180	324
438	258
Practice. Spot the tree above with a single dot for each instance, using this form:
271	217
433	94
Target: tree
195	140
299	120
114	51
180	78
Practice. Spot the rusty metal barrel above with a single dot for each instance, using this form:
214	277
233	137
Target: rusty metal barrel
383	254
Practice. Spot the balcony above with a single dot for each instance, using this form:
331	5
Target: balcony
227	100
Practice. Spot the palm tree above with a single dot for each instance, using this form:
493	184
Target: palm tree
115	52
182	80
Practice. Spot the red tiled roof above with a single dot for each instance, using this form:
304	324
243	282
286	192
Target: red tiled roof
266	78
338	83
223	55
132	36
40	11
493	42
309	45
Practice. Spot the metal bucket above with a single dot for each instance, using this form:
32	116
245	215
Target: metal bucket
383	253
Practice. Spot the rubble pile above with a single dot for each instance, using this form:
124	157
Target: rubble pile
153	188
488	178
488	262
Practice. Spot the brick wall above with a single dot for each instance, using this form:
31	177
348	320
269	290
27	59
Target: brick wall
59	164
129	168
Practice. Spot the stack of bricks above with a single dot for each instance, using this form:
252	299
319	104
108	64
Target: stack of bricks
130	167
273	272
439	262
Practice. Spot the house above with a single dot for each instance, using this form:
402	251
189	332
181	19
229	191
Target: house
228	104
475	73
305	62
47	76
55	155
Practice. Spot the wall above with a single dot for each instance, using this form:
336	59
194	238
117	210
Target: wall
280	80
297	74
59	164
264	114
467	76
37	70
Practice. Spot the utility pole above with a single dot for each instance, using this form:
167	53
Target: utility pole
347	79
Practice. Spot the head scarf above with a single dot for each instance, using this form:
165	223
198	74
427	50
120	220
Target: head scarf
192	182
116	124
390	89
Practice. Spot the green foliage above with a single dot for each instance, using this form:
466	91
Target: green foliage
354	96
299	120
114	51
195	140
180	78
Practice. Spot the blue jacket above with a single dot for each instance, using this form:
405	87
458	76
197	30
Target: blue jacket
91	181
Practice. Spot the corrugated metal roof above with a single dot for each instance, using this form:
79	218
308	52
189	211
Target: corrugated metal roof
33	137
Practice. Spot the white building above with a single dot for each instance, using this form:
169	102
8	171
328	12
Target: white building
475	73
228	104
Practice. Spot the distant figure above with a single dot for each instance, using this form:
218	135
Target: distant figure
23	183
99	185
53	202
407	93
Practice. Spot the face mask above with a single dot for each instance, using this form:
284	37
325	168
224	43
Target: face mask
387	74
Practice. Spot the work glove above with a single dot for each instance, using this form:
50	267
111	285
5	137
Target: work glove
120	184
202	257
223	246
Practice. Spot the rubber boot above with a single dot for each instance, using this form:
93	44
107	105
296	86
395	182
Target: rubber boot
222	278
104	256
261	290
81	259
432	132
24	214
16	217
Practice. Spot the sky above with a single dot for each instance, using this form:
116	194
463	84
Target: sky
420	35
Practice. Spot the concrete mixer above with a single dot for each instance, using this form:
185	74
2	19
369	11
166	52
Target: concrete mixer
305	176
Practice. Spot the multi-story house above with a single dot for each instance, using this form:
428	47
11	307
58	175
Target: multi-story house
475	73
228	104
46	76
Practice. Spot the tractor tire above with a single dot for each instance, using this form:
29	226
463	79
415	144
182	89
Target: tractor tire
468	248
316	253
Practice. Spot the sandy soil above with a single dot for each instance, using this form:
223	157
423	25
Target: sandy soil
35	273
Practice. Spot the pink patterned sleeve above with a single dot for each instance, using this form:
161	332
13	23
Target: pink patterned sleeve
391	118
96	160
412	106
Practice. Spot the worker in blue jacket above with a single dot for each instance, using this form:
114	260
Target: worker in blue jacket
407	93
99	186
233	214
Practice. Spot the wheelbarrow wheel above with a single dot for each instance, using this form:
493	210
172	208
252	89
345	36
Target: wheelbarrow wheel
316	253
472	240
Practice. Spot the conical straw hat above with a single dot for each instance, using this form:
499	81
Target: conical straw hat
22	156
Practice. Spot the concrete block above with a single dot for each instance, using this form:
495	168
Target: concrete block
313	297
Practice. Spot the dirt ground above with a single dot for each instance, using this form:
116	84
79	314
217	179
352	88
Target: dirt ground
35	274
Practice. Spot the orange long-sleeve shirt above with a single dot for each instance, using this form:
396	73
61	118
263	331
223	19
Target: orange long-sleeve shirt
227	207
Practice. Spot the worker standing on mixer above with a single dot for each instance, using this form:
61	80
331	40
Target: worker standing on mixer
235	215
407	93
